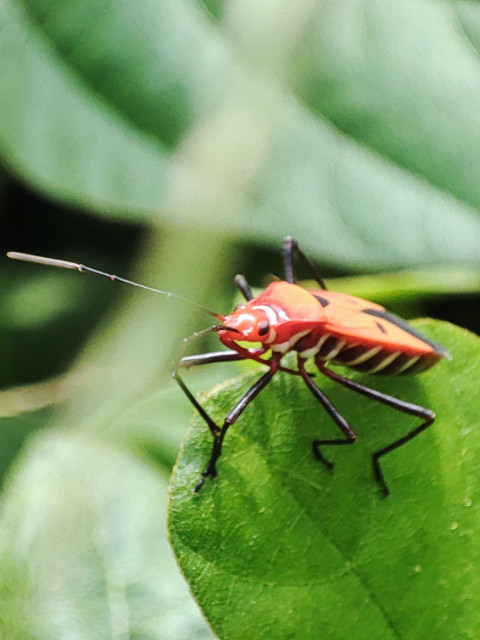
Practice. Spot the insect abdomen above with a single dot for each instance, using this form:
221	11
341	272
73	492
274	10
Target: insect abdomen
382	361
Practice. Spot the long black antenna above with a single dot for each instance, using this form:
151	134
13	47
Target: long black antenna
65	264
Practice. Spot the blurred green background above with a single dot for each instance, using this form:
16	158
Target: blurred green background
176	143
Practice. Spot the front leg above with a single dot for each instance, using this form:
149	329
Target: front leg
231	418
233	415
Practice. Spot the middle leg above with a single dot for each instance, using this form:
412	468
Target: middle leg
334	414
231	418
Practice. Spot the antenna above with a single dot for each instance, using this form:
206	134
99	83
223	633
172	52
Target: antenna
65	264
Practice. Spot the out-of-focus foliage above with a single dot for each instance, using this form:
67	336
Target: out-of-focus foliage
352	126
205	132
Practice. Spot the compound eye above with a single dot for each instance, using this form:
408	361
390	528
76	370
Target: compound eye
263	328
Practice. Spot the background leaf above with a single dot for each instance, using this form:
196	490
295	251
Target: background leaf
242	145
84	550
277	547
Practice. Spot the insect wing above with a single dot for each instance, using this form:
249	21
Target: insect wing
370	324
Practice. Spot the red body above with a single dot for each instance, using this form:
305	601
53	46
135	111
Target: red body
331	327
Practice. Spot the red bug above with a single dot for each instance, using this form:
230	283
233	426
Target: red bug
330	327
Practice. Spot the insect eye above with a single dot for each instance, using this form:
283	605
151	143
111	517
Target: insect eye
263	328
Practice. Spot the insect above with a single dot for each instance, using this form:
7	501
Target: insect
330	327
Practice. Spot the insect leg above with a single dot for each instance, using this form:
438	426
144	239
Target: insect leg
334	414
427	416
231	355
217	432
231	418
290	249
214	428
239	353
207	358
204	358
244	287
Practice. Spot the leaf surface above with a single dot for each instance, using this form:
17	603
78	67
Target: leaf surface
276	547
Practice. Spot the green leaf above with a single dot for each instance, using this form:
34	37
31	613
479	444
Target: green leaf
348	129
407	286
16	426
83	548
399	77
60	136
276	547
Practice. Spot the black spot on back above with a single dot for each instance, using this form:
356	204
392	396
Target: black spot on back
405	326
323	301
381	327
